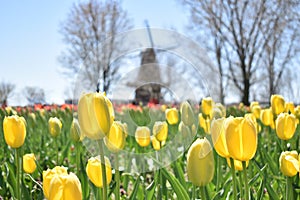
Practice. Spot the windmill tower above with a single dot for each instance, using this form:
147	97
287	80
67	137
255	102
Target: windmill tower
148	82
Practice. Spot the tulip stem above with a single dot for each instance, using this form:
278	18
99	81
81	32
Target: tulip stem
103	169
245	180
17	158
57	148
289	188
233	178
194	192
218	172
117	174
78	150
202	190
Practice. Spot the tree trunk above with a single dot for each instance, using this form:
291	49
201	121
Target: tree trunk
245	98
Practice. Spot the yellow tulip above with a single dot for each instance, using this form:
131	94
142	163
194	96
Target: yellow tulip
289	163
155	143
115	140
204	123
48	175
256	111
252	118
64	187
277	104
94	172
207	107
163	107
55	126
200	162
29	164
75	132
219	111
32	117
10	111
297	111
95	115
252	104
241	138
266	117
184	130
218	136
237	164
172	115
125	129
142	136
160	130
290	107
187	114
14	131
286	126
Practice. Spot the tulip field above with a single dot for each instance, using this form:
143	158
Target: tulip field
85	151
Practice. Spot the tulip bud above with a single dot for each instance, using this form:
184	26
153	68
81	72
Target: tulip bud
160	130
252	104
285	126
32	117
277	104
237	164
10	111
207	107
95	115
266	117
218	136
297	111
65	186
29	164
200	162
172	116
155	143
94	172
54	126
142	136
187	114
163	108
184	130
75	131
204	123
289	163
125	129
219	111
256	111
48	175
14	131
290	107
241	138
115	140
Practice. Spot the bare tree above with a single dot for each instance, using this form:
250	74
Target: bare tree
6	90
34	95
89	32
248	38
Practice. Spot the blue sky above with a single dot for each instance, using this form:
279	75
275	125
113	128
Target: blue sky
30	41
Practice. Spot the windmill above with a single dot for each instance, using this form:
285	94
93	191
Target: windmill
148	82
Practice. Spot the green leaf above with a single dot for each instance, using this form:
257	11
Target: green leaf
25	192
12	181
271	192
179	173
135	189
257	175
260	192
65	151
151	188
177	187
